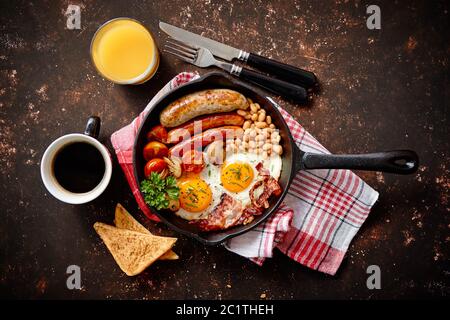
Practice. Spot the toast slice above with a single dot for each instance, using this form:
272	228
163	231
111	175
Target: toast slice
124	220
133	251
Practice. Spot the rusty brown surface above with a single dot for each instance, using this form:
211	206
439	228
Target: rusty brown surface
381	89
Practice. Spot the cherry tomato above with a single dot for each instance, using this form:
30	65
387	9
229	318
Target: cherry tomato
192	161
154	165
155	149
158	133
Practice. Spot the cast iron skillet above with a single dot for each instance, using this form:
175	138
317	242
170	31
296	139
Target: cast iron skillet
401	161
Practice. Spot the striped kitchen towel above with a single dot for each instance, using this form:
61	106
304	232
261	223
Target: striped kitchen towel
317	220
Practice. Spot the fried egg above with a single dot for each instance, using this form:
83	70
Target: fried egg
200	193
237	175
195	197
273	163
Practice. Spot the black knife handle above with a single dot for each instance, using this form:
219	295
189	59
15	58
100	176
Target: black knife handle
284	71
280	87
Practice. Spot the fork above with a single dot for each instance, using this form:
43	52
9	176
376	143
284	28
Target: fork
202	57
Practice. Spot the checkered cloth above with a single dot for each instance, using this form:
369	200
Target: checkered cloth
316	222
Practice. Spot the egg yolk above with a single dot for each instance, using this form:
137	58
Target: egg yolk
195	194
236	176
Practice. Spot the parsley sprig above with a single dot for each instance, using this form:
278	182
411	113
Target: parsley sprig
157	191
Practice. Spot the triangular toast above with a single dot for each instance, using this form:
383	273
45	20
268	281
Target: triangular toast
124	220
133	251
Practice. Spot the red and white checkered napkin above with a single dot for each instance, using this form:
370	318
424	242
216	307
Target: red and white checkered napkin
317	220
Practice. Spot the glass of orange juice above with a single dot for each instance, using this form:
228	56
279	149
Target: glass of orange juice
124	51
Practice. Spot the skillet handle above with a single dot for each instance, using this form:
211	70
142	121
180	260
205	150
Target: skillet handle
396	161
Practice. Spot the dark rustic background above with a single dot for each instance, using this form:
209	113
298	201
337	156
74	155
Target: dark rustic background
382	89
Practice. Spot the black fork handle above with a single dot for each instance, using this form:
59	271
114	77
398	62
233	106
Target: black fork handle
285	89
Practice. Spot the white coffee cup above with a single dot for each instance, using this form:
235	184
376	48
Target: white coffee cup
47	172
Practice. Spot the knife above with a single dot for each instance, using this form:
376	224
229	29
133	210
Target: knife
287	72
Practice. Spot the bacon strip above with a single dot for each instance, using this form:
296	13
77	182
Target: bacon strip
261	170
248	215
226	214
263	188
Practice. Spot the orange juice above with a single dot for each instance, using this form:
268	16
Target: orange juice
124	51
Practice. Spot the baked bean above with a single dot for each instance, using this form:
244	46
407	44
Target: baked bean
261	117
275	140
242	112
269	119
260	124
277	149
246	125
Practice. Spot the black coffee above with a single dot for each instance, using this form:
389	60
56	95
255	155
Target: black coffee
79	167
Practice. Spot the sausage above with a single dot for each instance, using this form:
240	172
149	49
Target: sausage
200	103
203	139
204	123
